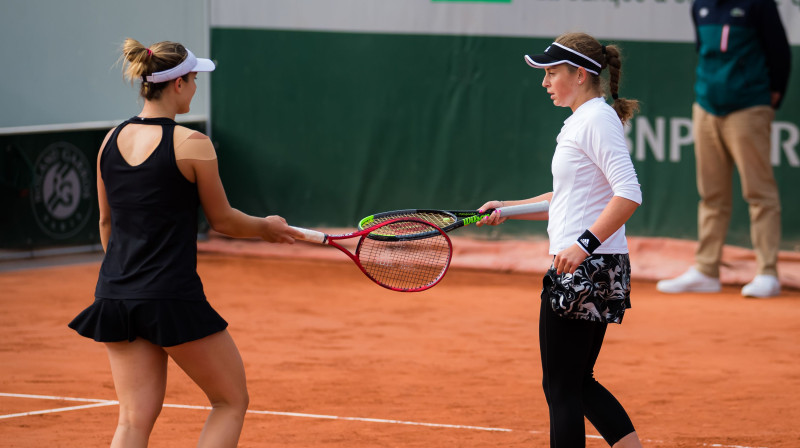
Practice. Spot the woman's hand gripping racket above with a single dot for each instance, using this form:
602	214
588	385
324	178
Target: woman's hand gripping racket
393	259
447	220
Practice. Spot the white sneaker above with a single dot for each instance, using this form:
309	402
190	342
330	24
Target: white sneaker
690	281
762	286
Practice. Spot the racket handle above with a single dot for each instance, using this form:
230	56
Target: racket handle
312	236
524	209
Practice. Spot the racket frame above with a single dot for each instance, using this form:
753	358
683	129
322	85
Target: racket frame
314	236
461	217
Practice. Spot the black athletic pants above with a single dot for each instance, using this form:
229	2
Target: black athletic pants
569	349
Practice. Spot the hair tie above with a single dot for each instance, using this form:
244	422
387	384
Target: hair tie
604	49
149	53
615	96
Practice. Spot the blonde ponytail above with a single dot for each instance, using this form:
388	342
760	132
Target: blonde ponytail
139	61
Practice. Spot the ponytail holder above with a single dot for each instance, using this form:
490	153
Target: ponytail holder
144	77
604	49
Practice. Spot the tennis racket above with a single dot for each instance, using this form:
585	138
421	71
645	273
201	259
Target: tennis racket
446	220
392	261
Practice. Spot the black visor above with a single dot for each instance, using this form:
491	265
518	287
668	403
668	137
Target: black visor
558	54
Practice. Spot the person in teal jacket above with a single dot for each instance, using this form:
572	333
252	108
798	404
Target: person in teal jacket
743	68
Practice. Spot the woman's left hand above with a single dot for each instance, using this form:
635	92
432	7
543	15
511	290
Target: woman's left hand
568	260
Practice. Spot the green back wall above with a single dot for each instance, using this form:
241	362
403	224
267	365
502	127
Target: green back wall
326	127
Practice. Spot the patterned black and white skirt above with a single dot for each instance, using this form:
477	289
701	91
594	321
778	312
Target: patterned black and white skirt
599	290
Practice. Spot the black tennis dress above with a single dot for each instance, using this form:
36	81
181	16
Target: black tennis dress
148	285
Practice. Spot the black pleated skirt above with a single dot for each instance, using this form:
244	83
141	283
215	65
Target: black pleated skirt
162	322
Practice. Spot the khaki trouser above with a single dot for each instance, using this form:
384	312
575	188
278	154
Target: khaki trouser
741	138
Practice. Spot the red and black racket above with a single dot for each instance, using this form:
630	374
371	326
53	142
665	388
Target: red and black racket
393	259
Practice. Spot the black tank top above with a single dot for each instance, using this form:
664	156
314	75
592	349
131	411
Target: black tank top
152	251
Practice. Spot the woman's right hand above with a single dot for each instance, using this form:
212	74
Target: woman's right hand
493	219
276	230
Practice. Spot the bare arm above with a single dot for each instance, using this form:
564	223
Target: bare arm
227	220
617	212
102	200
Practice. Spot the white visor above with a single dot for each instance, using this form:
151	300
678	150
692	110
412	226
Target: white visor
188	65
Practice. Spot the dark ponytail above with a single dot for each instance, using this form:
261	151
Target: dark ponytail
625	107
609	57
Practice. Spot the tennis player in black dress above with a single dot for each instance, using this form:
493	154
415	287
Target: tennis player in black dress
152	175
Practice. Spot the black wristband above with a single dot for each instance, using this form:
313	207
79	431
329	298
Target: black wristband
589	242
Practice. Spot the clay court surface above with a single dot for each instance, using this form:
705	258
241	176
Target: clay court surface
336	361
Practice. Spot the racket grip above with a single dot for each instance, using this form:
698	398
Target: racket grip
312	236
523	209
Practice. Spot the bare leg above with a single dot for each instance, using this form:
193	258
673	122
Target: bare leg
139	369
629	441
214	363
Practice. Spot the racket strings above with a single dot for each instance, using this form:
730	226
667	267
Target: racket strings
406	264
440	219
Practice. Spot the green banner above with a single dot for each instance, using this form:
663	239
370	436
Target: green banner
48	188
325	128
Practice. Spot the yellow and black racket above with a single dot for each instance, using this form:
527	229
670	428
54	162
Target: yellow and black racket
447	220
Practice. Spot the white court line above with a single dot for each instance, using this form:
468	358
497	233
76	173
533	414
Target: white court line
359	419
95	404
50	411
717	445
50	397
99	402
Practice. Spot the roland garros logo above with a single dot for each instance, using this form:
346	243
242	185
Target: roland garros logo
62	197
